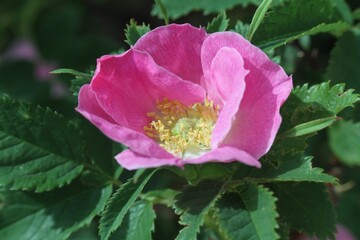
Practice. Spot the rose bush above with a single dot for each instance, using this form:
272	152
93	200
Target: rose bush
182	96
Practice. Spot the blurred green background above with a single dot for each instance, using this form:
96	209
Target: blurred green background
38	36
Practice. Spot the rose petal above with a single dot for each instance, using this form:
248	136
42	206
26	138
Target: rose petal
90	109
226	87
176	48
131	160
225	155
267	87
127	87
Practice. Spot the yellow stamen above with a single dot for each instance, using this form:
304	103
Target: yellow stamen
179	128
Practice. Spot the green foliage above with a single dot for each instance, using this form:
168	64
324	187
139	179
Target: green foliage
120	202
194	202
163	196
133	32
345	59
356	14
344	141
79	80
258	17
319	101
294	167
138	223
218	24
39	149
309	127
241	28
283	24
162	10
249	213
307	208
177	9
51	215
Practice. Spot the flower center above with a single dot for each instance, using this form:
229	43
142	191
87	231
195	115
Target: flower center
184	131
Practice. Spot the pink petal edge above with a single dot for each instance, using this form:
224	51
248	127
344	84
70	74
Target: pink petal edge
176	48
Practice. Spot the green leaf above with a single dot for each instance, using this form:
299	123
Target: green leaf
193	203
162	10
344	10
176	9
218	24
138	223
241	28
345	60
282	24
309	127
356	14
133	32
163	196
52	215
258	17
307	208
120	203
344	141
287	167
79	80
319	101
249	213
39	149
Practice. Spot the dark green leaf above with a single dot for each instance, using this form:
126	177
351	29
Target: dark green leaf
52	215
193	203
307	208
356	14
138	223
133	32
248	214
218	24
289	167
39	149
282	24
344	140
258	17
120	203
345	60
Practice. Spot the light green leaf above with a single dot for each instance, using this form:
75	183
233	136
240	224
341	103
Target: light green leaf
241	28
193	203
176	9
218	24
120	202
52	215
133	32
162	10
289	167
258	17
344	141
344	10
138	223
345	60
282	24
163	196
79	80
249	213
307	208
309	127
39	149
311	103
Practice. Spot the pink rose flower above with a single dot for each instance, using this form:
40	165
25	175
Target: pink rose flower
182	96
